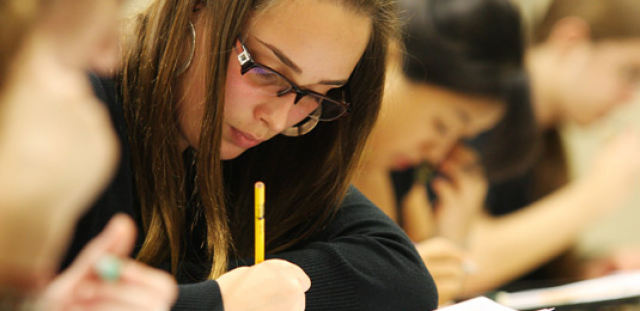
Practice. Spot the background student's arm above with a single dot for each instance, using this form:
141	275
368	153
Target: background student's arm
509	246
523	240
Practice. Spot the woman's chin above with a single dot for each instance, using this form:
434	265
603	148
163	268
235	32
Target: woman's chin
230	152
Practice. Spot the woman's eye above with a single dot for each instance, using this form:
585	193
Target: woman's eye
263	73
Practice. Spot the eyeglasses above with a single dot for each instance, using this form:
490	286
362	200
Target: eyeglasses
312	104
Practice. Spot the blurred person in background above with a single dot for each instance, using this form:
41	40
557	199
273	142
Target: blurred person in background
461	74
577	74
57	151
584	61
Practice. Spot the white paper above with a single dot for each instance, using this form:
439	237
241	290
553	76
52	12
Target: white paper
477	304
611	287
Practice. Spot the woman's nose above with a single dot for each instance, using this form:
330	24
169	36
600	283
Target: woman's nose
275	112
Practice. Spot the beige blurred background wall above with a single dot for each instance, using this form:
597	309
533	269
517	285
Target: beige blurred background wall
621	228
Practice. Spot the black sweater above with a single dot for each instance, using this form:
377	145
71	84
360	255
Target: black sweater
361	261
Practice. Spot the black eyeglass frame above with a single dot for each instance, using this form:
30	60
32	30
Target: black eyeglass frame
247	63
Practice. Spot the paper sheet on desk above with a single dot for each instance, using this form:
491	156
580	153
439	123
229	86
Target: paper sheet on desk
611	287
477	304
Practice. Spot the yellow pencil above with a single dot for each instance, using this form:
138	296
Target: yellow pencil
259	222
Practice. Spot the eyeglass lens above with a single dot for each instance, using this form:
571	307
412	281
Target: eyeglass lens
272	83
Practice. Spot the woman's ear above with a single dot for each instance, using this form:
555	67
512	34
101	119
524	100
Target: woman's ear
570	31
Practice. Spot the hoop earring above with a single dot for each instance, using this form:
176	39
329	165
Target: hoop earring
304	127
192	50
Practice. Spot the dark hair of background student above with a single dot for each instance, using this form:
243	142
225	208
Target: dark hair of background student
476	48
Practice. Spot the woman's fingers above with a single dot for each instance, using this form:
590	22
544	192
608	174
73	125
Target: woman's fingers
271	285
163	284
116	240
446	262
113	306
444	189
291	270
131	296
120	235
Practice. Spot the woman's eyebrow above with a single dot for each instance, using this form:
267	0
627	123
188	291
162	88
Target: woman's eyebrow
282	57
289	63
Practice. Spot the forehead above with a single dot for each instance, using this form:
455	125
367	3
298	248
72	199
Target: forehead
324	38
478	113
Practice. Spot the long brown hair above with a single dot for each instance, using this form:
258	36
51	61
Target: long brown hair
608	19
303	184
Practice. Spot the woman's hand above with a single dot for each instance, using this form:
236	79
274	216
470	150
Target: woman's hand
273	285
138	287
461	194
623	259
447	264
57	151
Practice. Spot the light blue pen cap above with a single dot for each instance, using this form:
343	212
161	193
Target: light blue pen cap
109	268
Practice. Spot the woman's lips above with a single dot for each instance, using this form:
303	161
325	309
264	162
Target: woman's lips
242	139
